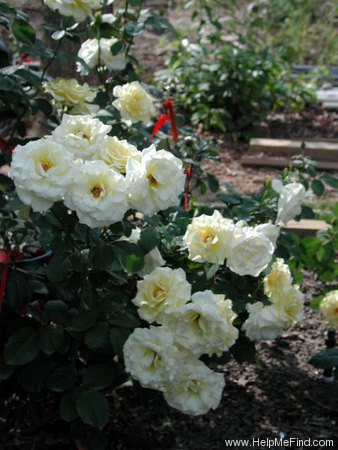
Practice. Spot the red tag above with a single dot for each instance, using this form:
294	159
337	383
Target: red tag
159	124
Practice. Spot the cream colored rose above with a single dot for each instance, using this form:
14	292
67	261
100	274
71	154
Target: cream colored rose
208	238
42	171
79	9
203	325
225	309
151	357
329	308
97	194
278	281
161	293
152	260
196	389
269	230
155	182
291	306
250	252
81	135
291	198
263	322
73	94
116	153
133	102
96	52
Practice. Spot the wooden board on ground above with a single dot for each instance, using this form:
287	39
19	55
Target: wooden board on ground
306	227
326	150
271	161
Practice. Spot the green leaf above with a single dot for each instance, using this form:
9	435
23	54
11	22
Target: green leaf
315	302
23	32
118	337
212	182
103	256
60	380
22	347
318	187
67	407
131	256
41	104
93	408
325	359
53	339
30	77
125	318
98	335
149	239
58	268
83	321
116	48
330	180
57	311
99	376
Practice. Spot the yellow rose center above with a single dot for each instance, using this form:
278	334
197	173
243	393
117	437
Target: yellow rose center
46	165
153	182
206	236
96	191
194	386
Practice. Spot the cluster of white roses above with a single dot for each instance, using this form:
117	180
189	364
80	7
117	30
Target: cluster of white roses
247	250
98	176
329	308
165	357
284	310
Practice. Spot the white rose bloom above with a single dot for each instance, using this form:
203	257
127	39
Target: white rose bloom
196	389
161	293
203	326
81	135
250	252
133	102
225	309
269	230
116	153
75	95
96	52
151	357
263	322
291	307
329	308
278	280
79	9
97	194
155	182
291	198
42	171
208	238
152	260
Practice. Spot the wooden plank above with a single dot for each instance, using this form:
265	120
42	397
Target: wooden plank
271	161
327	95
306	227
316	150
